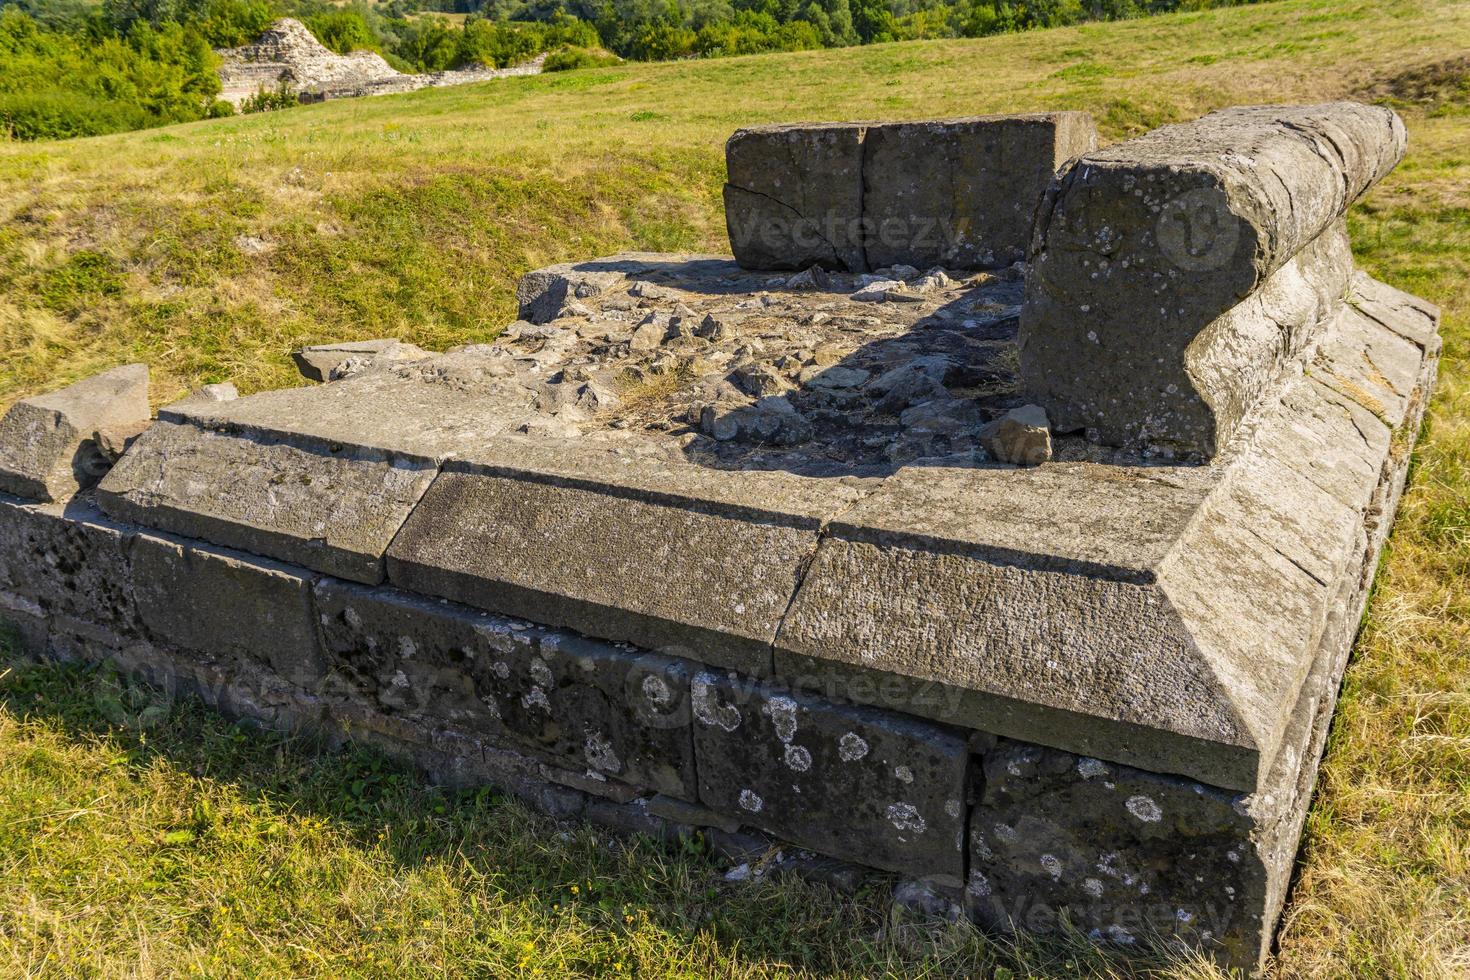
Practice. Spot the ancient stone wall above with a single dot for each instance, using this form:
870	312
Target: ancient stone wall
793	560
287	55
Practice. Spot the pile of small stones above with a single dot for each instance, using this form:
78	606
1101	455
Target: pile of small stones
815	372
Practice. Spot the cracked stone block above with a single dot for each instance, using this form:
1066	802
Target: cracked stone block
610	713
794	196
852	782
962	193
228	604
1175	276
48	449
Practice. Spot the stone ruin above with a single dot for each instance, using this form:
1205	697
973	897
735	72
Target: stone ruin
287	55
1013	540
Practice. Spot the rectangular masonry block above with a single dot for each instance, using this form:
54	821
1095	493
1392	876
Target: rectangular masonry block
334	512
663	554
962	193
1144	250
227	604
794	196
586	706
68	561
48	448
857	783
1125	855
958	193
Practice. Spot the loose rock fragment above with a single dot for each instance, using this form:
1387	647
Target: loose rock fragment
48	444
318	362
1022	436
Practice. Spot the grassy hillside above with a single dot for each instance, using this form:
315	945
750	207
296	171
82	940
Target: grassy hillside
212	249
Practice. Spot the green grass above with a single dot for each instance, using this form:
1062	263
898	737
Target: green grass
211	250
193	846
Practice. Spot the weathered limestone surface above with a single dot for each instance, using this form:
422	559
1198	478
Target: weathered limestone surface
852	782
957	193
206	599
317	363
48	444
1174	638
322	477
794	196
295	500
545	294
963	193
659	552
585	706
1143	251
66	562
286	55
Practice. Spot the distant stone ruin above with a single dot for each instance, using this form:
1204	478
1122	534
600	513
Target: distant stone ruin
287	55
1018	557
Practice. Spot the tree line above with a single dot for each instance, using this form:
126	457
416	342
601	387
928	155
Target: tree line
81	67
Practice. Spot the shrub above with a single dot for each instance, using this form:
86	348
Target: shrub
56	84
569	58
343	31
269	100
61	114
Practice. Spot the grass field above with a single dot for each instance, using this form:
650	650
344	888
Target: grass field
212	249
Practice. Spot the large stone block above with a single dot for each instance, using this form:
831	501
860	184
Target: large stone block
661	553
613	713
858	783
228	605
47	443
67	562
962	193
1144	251
322	476
1122	854
1128	855
794	196
335	512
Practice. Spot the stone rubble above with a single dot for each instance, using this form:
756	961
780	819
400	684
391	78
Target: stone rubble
287	55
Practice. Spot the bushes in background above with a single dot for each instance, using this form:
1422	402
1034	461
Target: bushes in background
69	68
56	84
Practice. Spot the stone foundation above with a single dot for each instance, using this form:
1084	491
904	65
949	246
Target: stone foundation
791	558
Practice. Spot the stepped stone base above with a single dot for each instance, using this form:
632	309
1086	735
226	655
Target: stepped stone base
1092	691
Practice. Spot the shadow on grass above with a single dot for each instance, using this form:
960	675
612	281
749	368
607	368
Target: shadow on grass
497	852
